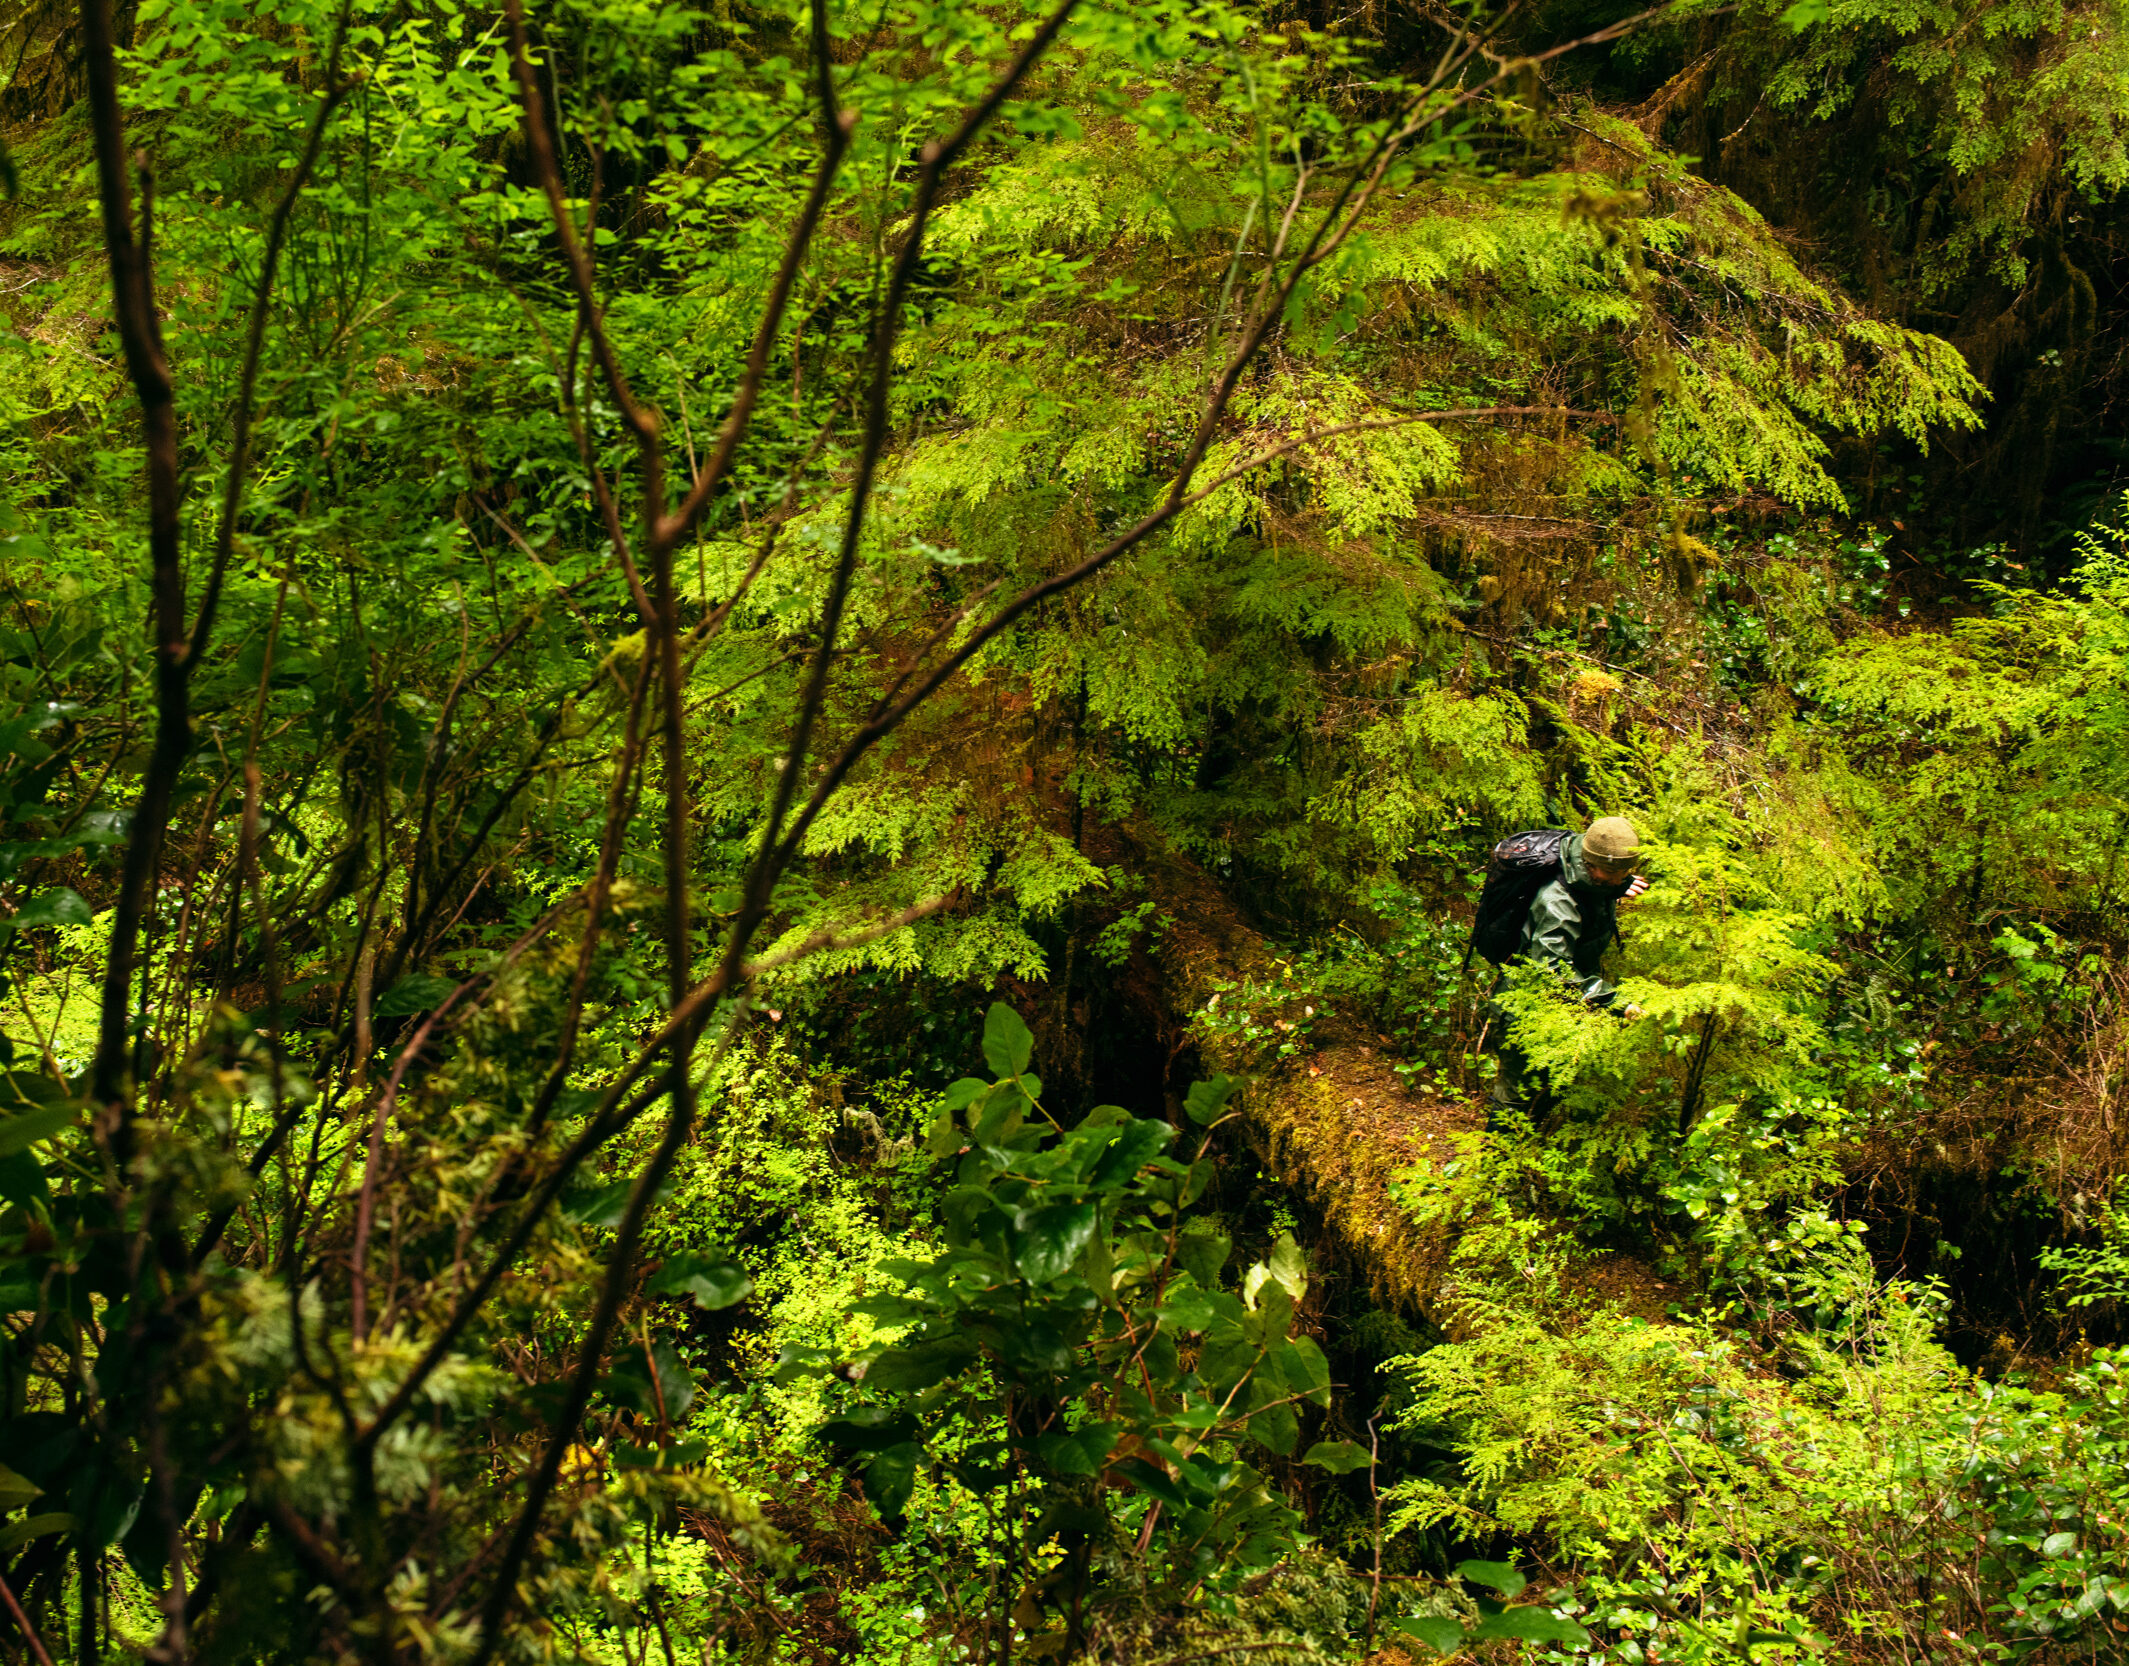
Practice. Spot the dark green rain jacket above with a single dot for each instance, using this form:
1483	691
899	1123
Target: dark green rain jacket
1571	923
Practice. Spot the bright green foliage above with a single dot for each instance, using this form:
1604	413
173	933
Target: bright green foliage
1040	1352
1284	680
2098	1272
1996	751
1670	1464
407	933
1715	1005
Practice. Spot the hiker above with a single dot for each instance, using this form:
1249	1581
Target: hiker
1552	897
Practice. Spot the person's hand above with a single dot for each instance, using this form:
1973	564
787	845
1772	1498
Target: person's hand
1635	889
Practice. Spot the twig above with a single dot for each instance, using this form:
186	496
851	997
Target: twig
22	1620
140	337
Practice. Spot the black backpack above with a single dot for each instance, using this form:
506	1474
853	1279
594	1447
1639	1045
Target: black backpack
1521	866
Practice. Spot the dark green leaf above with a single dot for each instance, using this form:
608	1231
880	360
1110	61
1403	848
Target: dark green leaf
1063	1455
605	1205
869	1429
29	1087
1150	1479
1340	1457
1276	1428
1051	1238
1138	1142
943	1138
1203	1254
1000	1116
1502	1576
1187	1308
15	1490
56	907
35	1527
913	1369
101	827
983	1467
1306	1371
414	993
1207	1101
1007	1042
1442	1636
964	1093
891	1477
25	1128
680	1455
1530	1624
675	1383
22	1179
714	1284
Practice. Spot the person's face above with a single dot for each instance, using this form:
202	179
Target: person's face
1613	875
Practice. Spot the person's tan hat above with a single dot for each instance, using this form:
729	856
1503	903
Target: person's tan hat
1612	841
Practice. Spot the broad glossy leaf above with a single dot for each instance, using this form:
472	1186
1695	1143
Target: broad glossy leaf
1288	1266
1340	1457
606	1205
983	1467
910	1370
869	1429
892	1476
943	1138
16	1490
29	1087
680	1455
1502	1576
56	907
1008	1044
1531	1623
102	1502
960	1095
35	1527
998	1116
1203	1254
1137	1144
1187	1308
1064	1455
1442	1636
1149	1479
417	992
1306	1371
26	1128
1208	1477
714	1284
1276	1428
674	1385
1206	1102
1050	1238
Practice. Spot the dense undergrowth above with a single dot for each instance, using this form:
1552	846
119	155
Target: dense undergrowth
706	846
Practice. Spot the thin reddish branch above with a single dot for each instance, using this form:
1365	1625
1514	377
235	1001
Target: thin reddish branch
935	157
255	340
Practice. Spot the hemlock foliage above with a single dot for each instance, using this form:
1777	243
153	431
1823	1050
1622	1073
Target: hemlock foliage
599	606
